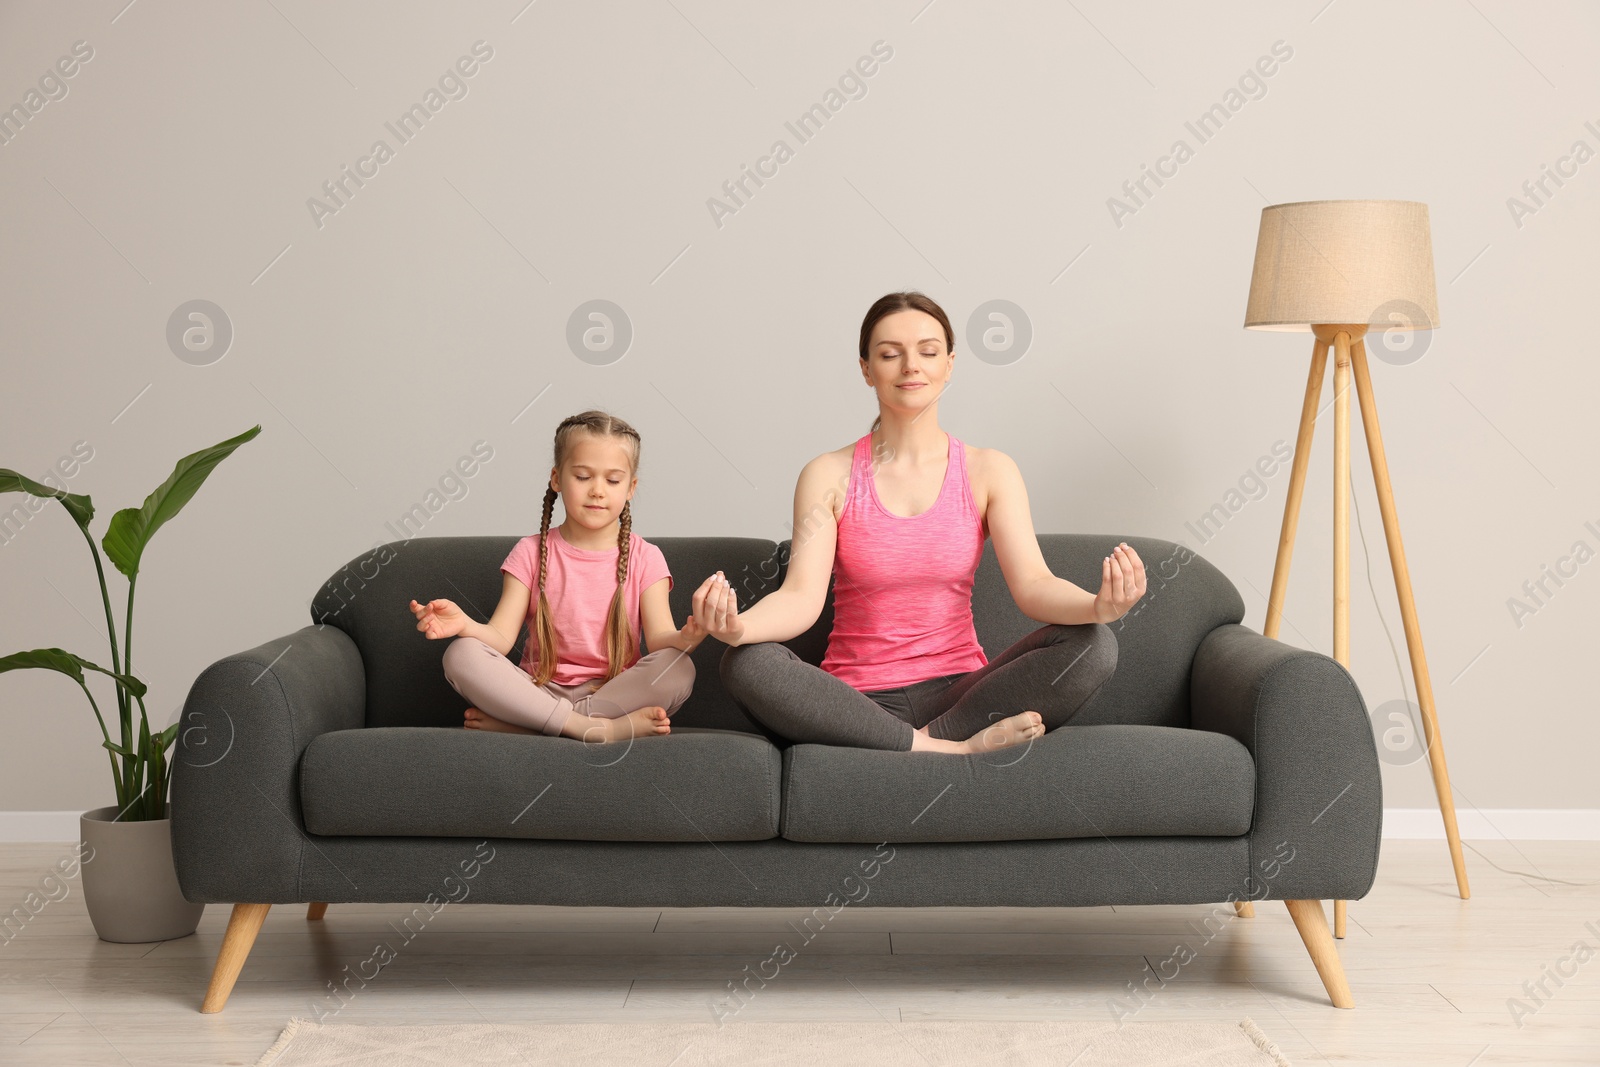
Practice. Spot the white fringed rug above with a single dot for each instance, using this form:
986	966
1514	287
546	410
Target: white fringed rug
918	1044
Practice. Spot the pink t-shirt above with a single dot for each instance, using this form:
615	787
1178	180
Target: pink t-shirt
579	584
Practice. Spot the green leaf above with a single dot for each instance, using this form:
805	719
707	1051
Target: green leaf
131	528
120	750
55	659
77	504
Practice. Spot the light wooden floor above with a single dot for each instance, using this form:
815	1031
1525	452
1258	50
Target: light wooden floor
1430	973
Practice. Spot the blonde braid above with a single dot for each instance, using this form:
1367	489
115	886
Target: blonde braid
544	631
621	641
624	528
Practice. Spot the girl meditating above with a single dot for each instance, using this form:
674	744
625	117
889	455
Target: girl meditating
898	519
597	581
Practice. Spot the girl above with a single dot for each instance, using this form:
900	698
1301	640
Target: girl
898	519
581	675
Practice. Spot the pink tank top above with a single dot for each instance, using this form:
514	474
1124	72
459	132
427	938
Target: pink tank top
902	593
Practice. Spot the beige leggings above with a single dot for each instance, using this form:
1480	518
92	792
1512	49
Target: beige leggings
500	688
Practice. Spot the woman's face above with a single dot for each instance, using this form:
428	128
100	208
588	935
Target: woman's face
595	481
907	362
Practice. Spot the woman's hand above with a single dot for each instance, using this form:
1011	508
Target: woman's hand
716	610
1121	584
439	618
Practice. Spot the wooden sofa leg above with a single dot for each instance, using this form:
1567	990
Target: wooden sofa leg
1338	917
317	909
1244	909
243	925
1313	926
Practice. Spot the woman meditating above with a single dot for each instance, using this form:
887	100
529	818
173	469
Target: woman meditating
898	519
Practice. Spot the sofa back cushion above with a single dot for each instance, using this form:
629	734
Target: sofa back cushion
369	599
1185	599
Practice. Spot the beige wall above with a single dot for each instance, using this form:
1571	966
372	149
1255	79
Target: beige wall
379	343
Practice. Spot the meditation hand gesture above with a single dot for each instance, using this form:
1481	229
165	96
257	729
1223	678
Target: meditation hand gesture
1121	584
439	618
716	610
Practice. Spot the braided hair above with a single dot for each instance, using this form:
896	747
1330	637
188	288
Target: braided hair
621	640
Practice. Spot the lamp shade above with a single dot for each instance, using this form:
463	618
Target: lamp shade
1326	262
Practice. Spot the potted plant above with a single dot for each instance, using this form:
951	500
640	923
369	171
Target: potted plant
130	887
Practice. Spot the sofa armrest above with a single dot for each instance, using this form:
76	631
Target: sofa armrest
238	834
1319	787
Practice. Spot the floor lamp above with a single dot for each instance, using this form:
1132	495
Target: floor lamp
1334	268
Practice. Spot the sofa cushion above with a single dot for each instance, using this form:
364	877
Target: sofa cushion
1075	781
409	781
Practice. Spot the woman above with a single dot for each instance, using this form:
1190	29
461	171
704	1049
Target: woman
899	519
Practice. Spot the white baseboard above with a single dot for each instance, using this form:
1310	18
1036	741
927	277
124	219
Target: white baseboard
1494	824
1399	824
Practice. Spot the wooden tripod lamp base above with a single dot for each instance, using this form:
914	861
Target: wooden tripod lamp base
1350	359
1332	267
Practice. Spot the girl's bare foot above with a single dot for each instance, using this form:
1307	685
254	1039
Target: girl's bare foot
473	719
1018	729
645	722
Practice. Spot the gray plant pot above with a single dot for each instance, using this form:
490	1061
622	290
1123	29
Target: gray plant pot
130	885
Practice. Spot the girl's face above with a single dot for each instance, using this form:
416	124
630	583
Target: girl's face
596	480
907	362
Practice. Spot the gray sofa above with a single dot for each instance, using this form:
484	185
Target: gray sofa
329	765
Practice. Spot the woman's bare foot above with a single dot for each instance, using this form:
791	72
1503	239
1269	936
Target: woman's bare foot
473	719
645	722
1018	729
921	741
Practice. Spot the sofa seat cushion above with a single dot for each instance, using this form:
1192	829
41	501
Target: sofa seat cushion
417	781
1075	781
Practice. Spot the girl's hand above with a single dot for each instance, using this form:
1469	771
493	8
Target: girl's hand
692	634
717	610
1121	584
439	618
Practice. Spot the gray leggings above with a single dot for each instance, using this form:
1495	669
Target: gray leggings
1054	670
495	685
